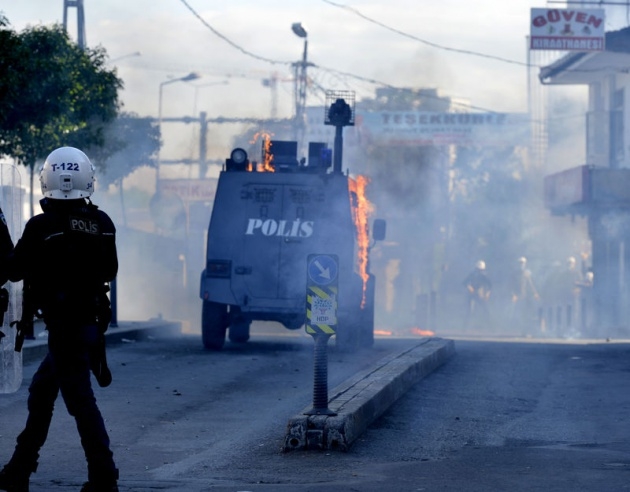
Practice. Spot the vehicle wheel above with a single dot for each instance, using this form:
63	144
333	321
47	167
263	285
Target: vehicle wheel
213	325
356	326
294	322
346	339
348	323
239	330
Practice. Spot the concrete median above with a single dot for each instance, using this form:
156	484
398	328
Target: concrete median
366	396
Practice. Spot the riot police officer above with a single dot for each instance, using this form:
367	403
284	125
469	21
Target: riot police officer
65	255
478	288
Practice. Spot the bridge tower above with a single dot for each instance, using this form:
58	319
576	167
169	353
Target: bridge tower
80	20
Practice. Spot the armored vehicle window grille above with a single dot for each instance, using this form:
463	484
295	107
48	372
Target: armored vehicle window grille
264	195
300	196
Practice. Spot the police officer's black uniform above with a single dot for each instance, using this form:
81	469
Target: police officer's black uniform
66	254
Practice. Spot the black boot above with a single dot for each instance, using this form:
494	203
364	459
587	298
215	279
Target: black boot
14	480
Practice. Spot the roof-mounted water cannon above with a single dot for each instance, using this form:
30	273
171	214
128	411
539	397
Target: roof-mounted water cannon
340	113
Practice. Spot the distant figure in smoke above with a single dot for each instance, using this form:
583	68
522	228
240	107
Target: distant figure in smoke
586	302
524	298
478	288
569	295
562	298
550	292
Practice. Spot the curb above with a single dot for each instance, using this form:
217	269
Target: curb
35	350
363	398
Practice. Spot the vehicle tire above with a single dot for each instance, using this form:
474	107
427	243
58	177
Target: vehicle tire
346	339
294	322
356	325
239	330
348	317
213	325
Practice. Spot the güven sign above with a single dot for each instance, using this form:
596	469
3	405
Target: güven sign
567	29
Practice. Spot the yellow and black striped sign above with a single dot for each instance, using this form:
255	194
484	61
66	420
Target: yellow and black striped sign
321	294
321	310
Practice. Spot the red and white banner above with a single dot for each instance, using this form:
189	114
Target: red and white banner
567	29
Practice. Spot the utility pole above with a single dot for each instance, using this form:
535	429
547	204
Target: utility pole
300	86
203	144
81	42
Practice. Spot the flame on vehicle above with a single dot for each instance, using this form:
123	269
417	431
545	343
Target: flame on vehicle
362	208
266	166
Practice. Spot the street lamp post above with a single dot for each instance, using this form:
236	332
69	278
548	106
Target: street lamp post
128	55
187	78
300	84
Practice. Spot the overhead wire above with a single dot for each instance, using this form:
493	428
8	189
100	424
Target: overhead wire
424	41
273	61
385	26
469	52
341	72
232	43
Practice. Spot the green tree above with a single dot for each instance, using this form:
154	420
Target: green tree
12	79
64	95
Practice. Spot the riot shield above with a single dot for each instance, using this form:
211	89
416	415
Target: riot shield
11	202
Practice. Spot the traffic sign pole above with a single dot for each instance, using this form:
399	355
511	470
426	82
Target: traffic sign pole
320	377
321	322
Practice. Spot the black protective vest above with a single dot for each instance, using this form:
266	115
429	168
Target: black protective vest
66	255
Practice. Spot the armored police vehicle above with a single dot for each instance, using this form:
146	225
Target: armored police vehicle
268	217
264	225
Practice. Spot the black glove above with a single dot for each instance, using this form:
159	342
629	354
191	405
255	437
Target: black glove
103	310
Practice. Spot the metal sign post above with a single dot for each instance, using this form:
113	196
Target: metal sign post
321	322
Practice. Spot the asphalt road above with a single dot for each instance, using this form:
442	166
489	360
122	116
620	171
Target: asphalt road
499	416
